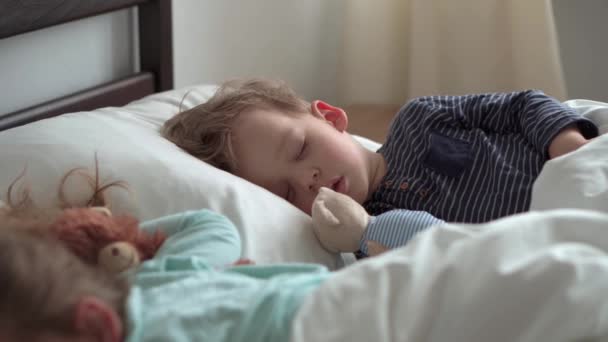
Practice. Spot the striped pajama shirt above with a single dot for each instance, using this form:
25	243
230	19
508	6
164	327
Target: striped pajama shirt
470	158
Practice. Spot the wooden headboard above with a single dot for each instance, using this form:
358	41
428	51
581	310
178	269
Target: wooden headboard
155	51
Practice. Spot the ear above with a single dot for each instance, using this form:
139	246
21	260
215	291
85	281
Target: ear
102	210
336	116
96	319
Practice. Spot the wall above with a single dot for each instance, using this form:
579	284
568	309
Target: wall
293	40
582	28
40	65
296	40
213	40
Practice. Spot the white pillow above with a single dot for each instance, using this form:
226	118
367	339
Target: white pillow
163	178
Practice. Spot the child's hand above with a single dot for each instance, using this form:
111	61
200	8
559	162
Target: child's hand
243	261
567	140
374	248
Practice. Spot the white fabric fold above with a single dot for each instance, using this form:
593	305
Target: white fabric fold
529	277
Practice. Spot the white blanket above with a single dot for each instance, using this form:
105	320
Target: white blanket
531	277
540	276
578	179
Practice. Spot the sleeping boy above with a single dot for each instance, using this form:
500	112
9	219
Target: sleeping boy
470	158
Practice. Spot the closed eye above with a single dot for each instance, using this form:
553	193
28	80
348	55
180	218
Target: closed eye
302	150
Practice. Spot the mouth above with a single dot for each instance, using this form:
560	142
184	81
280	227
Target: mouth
339	184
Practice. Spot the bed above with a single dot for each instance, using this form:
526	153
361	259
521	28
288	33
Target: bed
457	283
50	142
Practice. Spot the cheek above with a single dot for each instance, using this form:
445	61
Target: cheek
336	146
342	153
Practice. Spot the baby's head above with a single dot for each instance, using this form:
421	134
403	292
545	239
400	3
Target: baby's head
262	131
48	294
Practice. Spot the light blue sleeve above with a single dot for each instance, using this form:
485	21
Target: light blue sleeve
395	228
207	235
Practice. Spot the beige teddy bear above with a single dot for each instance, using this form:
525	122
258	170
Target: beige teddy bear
342	225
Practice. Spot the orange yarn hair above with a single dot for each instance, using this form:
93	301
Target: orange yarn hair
82	230
85	232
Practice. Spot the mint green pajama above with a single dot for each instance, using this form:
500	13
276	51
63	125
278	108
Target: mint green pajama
190	291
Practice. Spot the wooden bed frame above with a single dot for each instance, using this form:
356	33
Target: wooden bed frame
155	51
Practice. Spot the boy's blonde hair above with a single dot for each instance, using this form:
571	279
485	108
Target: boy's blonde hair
205	131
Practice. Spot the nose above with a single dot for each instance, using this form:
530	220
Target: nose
313	182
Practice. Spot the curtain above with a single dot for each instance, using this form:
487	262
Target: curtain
394	50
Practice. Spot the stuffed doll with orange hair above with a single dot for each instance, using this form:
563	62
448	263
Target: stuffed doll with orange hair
89	230
114	243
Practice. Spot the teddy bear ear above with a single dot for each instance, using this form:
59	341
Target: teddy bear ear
102	210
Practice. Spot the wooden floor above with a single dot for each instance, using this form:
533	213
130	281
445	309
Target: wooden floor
370	121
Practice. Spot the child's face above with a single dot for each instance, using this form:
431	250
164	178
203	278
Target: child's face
293	155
